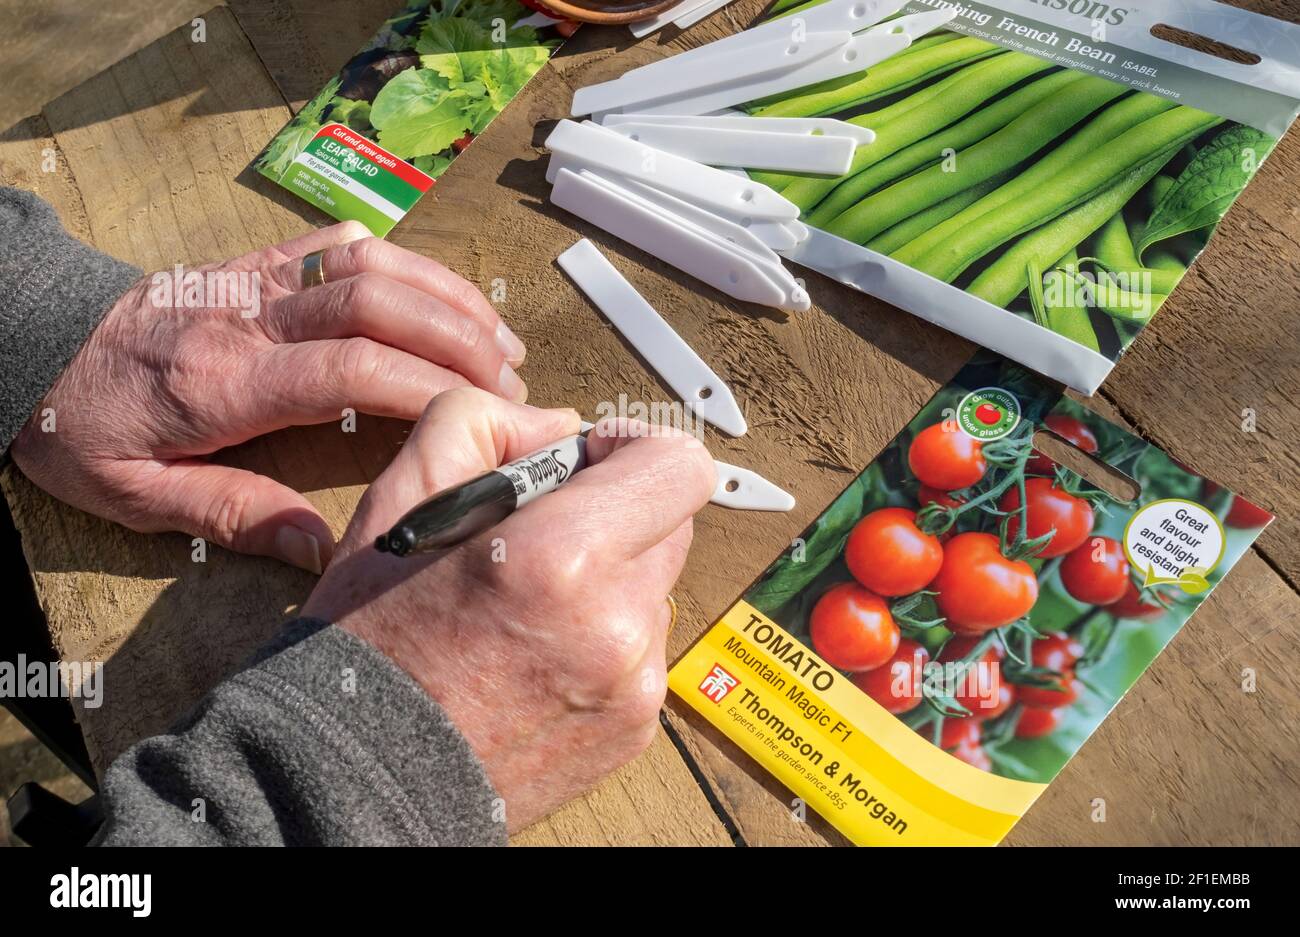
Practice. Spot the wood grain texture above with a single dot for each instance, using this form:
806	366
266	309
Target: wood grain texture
157	149
303	43
48	47
157	164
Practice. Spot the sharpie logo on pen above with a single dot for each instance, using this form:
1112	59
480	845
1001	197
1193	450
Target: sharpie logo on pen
540	471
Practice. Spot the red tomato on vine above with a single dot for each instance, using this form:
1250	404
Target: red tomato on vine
979	588
1058	653
1042	697
957	732
852	628
897	685
982	689
1002	701
958	647
1245	516
889	555
1096	572
928	495
944	457
1049	508
1035	723
1135	604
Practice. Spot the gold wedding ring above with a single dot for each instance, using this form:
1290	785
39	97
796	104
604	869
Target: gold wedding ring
313	272
672	611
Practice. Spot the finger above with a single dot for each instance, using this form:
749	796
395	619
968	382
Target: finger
318	240
658	568
240	511
462	434
635	492
372	306
373	255
315	382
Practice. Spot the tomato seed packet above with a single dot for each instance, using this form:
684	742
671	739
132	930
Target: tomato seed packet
1044	172
378	136
925	658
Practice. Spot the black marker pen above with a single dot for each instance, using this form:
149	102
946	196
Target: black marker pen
461	512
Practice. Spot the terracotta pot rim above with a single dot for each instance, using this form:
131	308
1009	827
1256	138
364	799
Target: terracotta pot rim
607	13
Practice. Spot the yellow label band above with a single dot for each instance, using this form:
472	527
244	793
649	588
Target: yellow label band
873	778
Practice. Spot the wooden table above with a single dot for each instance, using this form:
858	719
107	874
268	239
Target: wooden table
152	167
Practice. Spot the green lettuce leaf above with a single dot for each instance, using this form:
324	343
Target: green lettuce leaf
462	50
354	114
420	112
294	137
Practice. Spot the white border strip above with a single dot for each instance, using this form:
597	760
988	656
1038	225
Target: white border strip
955	310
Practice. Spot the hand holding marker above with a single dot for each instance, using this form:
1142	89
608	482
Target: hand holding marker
459	513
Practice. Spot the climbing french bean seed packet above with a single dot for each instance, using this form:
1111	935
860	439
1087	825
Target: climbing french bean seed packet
1044	171
928	655
380	133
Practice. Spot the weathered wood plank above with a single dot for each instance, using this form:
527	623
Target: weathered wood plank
824	392
156	146
48	47
303	43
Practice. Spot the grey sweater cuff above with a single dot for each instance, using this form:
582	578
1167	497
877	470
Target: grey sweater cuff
53	292
320	740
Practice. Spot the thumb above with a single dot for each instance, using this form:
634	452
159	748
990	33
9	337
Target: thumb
463	433
242	511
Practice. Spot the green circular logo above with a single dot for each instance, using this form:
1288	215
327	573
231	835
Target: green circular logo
988	413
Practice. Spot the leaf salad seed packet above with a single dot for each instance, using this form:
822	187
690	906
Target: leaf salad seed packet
928	655
381	132
1044	171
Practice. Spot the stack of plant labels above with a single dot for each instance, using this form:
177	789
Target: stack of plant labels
717	226
652	165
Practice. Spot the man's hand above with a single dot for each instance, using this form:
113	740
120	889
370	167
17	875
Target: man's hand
158	386
543	637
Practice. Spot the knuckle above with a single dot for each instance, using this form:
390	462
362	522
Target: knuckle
224	520
365	253
460	400
563	573
643	707
362	292
459	291
634	740
358	361
618	644
352	230
471	337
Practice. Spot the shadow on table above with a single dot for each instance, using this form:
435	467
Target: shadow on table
198	613
918	345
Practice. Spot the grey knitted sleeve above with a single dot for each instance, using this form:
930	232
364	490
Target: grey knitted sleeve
320	741
53	292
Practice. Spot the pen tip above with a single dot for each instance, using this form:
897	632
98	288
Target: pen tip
381	543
